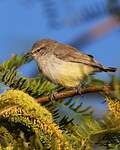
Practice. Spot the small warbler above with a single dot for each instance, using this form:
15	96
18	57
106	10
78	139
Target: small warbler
63	64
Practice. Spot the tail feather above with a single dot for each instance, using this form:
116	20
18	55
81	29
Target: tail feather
109	69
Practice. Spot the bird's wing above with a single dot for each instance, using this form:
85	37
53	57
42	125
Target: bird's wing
71	54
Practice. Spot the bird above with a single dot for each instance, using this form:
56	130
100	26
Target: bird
63	64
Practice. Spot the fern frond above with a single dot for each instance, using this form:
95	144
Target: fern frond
92	135
32	86
14	62
76	106
70	109
106	137
64	122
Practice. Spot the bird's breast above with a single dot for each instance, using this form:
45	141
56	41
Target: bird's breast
65	73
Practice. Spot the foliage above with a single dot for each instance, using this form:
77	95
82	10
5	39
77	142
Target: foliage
25	124
19	108
10	77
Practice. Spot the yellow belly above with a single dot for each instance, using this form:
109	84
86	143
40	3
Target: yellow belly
70	74
67	74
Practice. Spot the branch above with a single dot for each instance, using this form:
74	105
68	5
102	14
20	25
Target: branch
70	93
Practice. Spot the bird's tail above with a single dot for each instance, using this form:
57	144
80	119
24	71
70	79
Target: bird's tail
109	69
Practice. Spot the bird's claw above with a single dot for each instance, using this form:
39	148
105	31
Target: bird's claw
78	89
52	97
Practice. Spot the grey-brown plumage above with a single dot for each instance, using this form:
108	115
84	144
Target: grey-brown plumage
64	64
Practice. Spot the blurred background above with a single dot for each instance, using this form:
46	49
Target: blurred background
92	26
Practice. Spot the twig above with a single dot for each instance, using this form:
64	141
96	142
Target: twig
70	93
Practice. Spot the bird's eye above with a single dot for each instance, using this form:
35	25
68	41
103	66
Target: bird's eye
39	49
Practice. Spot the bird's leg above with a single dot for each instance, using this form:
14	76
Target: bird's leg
78	89
86	82
80	86
83	84
52	95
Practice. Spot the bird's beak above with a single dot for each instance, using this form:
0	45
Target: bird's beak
28	56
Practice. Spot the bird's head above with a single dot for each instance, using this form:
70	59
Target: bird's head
41	48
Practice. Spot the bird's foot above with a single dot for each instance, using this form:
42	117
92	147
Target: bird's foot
52	97
78	90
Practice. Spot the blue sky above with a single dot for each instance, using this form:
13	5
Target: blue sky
25	21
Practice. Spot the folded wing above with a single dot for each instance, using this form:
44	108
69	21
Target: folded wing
71	54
